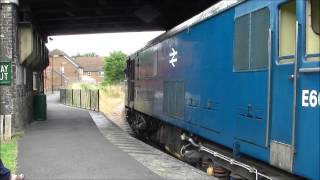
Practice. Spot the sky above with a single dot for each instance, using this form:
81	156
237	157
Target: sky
101	44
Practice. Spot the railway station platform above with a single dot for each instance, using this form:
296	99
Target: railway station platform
77	144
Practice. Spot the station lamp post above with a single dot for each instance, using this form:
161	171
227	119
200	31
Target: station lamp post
50	39
51	73
61	74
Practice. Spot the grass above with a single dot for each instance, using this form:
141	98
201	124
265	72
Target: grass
113	91
111	99
84	86
8	154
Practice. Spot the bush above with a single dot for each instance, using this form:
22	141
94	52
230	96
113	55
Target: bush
114	65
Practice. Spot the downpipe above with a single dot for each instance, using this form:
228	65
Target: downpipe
232	161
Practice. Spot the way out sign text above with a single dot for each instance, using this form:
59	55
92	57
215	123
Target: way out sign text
5	73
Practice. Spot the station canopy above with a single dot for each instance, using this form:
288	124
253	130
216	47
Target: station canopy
55	17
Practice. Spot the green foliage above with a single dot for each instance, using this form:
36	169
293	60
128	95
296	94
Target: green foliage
114	65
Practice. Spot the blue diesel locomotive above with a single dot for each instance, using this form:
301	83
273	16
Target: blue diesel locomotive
237	86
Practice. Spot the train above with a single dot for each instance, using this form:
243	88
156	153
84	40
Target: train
234	90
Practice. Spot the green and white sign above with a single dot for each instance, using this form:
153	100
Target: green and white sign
5	73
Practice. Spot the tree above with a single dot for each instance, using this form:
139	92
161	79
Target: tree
114	65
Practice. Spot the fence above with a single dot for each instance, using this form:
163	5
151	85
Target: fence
87	99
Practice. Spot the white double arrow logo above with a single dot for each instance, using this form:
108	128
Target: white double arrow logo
173	55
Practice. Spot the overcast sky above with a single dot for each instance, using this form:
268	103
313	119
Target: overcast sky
101	44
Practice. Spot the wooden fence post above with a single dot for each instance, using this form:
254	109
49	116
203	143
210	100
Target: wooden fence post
80	99
71	97
98	100
1	128
90	98
7	127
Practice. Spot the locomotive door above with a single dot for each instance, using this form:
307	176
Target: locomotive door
252	62
284	86
295	106
131	80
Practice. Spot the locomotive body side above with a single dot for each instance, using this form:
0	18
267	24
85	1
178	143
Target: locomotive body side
225	80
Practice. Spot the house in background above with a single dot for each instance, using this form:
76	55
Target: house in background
92	68
61	71
64	70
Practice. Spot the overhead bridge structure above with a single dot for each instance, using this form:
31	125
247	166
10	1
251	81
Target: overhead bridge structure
81	16
26	24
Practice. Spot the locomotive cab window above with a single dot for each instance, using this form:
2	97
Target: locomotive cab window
148	63
312	31
315	15
287	32
251	41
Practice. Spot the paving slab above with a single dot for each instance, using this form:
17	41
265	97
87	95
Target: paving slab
157	161
68	145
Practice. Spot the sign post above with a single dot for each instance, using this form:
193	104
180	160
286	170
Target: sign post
5	73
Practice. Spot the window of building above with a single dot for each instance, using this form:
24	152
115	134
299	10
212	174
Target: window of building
287	32
88	73
35	81
24	76
101	73
312	34
61	69
20	74
251	41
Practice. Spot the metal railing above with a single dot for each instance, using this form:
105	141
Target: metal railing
87	99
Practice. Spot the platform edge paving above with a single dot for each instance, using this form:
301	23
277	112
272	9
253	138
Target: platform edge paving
152	158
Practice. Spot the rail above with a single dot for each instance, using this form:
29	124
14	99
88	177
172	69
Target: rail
86	99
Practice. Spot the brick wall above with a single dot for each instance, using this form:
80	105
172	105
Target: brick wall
7	44
71	73
16	99
92	65
56	81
